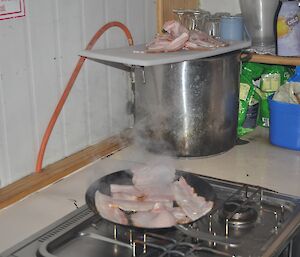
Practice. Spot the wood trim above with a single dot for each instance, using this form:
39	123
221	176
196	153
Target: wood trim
159	15
271	59
164	10
53	172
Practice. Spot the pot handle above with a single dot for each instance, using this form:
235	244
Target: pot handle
246	56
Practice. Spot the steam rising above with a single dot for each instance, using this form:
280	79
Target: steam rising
154	113
153	135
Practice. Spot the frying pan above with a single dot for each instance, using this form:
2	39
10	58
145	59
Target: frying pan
124	177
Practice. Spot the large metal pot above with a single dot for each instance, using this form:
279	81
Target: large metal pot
188	108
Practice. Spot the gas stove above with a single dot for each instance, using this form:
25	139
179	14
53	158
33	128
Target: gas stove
247	221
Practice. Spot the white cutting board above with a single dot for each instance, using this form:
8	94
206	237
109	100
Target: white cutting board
135	55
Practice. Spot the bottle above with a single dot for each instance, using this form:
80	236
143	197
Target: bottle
288	29
275	25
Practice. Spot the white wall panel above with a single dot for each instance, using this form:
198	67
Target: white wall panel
96	74
38	53
150	19
138	32
4	167
44	58
70	34
117	80
17	97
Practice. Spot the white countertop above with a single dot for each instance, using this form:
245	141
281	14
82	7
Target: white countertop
257	163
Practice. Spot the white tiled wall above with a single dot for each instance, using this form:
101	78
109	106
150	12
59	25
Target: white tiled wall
37	55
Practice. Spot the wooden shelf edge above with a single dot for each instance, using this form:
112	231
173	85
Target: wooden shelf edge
271	59
54	172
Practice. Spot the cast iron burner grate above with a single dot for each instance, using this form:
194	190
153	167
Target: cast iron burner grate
238	214
160	246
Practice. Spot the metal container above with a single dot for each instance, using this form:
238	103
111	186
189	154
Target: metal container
259	19
189	108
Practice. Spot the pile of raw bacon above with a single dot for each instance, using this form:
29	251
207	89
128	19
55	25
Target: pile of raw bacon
178	37
155	200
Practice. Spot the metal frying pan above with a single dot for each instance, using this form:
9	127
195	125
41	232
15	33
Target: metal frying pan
124	177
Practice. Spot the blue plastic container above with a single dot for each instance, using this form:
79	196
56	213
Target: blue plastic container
296	77
284	124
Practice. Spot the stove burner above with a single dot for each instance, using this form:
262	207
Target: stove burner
238	215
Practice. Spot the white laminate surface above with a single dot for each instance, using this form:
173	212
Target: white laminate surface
135	55
257	163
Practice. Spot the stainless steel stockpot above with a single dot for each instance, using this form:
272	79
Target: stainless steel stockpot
188	108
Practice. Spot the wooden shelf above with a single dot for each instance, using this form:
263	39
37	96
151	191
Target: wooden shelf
165	9
271	59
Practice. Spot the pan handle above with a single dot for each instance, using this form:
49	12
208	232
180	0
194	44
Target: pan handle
208	237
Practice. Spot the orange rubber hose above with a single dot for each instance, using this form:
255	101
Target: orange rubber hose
70	84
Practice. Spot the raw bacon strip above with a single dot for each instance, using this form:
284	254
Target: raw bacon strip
177	212
143	219
163	198
159	43
194	206
178	37
180	215
126	192
203	39
193	46
127	189
158	219
156	174
125	196
104	207
160	193
168	200
164	38
174	28
167	46
178	43
158	47
166	205
125	205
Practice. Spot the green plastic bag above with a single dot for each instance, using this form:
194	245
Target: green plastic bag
272	78
249	102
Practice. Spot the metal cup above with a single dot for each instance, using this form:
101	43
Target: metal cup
200	19
212	27
232	28
192	19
